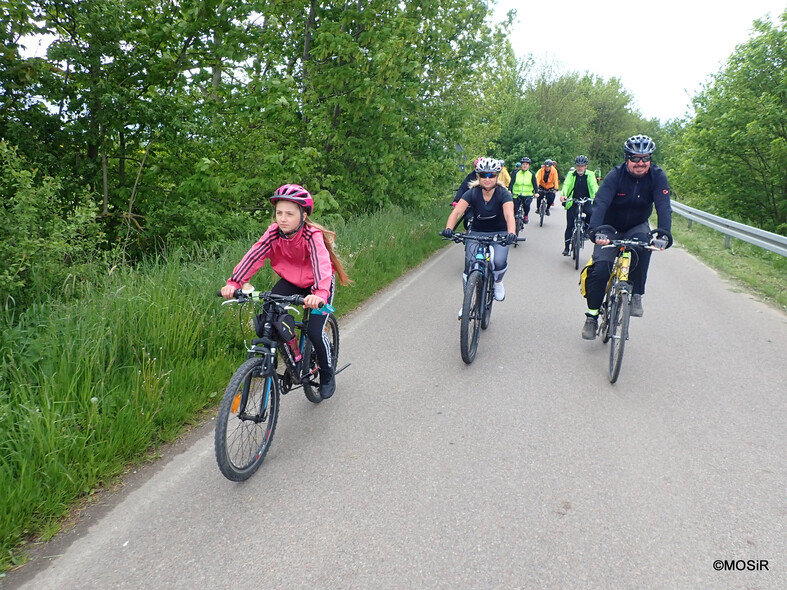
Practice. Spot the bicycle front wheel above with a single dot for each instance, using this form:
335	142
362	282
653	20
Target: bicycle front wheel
542	210
619	333
246	421
311	383
576	246
469	329
520	223
489	299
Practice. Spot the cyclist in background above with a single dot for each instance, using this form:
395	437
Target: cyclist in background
461	190
625	201
577	185
301	253
523	186
493	213
548	183
505	177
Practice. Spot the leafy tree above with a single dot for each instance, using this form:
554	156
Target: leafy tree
562	115
731	159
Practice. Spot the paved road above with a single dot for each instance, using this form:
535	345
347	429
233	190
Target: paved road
526	469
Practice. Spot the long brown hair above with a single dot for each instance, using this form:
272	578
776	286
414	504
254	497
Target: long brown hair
330	237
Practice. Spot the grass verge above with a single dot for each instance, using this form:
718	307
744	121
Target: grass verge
762	272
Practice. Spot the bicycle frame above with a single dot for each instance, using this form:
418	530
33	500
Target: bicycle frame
269	345
618	295
478	293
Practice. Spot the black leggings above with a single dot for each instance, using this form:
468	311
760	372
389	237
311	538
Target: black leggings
550	197
523	201
603	258
316	322
587	210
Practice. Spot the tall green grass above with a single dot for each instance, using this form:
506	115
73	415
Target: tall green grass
88	387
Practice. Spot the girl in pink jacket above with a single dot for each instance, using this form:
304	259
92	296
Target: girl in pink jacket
301	253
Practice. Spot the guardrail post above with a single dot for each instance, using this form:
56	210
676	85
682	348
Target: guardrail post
727	242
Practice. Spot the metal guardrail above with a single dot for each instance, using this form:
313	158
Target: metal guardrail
733	229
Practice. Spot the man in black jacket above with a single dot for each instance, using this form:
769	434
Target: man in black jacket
625	201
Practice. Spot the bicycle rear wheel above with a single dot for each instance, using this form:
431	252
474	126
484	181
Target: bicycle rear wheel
619	333
469	329
246	421
330	335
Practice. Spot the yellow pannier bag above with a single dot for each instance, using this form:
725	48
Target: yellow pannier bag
583	275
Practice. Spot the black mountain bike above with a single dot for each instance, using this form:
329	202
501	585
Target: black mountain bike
479	294
249	409
543	205
580	229
615	312
519	214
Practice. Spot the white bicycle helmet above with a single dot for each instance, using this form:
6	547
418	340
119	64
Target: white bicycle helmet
488	165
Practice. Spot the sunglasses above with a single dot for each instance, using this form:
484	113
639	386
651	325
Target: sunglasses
487	174
636	159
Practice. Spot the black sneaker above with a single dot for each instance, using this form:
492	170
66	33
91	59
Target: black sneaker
547	211
566	252
327	386
636	306
590	328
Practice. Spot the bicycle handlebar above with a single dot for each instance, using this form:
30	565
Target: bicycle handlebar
239	297
633	241
461	238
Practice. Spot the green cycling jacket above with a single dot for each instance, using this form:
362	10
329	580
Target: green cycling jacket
568	187
523	183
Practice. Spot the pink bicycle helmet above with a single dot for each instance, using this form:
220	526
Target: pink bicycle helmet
295	193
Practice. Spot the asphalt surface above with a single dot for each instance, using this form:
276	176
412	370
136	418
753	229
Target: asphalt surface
526	469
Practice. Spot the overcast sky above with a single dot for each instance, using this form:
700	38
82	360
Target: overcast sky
662	51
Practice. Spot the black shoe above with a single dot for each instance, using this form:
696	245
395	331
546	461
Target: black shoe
566	252
636	306
547	211
590	328
327	386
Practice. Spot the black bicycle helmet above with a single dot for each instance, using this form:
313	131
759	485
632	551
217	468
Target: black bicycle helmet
581	161
525	160
547	162
639	144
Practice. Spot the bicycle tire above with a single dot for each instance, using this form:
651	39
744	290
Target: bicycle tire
520	223
469	331
607	311
576	246
241	443
542	211
489	299
311	386
619	326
